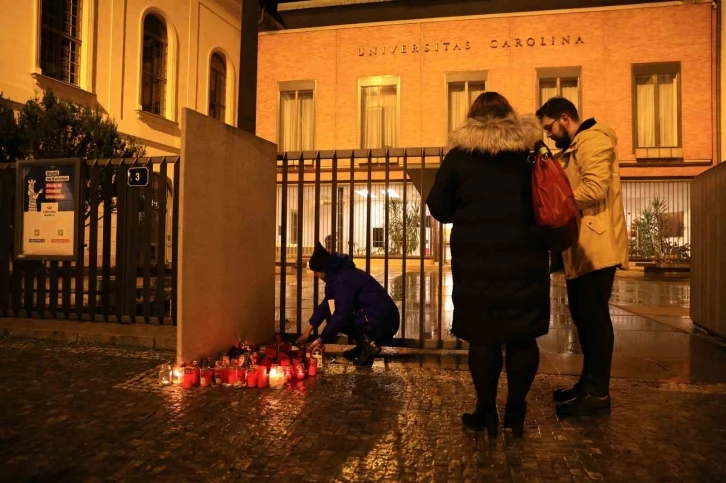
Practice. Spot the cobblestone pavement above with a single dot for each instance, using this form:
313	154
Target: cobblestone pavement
85	413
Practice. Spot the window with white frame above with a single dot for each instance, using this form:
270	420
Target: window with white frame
296	116
379	112
154	65
463	89
60	40
559	82
217	87
657	110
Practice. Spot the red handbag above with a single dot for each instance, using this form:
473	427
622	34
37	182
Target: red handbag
555	210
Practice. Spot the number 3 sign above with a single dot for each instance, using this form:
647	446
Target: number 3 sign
138	176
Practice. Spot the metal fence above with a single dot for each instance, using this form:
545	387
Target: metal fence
127	245
368	203
371	205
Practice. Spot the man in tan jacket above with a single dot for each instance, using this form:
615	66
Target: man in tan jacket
589	157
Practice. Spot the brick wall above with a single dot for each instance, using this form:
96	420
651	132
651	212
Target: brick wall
612	40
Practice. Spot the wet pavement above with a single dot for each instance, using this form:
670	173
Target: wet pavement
77	412
84	413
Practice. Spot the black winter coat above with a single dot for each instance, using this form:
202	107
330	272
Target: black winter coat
499	266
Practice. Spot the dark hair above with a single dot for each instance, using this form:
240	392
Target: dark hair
490	105
556	107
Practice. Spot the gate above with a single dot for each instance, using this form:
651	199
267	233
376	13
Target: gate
369	204
127	249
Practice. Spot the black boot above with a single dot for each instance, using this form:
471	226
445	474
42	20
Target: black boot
514	417
564	394
482	417
584	405
352	354
368	350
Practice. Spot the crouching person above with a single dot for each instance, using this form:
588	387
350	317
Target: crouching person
355	304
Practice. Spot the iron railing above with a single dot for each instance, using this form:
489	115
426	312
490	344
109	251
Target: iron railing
127	245
371	205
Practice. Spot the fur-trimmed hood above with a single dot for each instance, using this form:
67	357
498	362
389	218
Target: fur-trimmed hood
495	135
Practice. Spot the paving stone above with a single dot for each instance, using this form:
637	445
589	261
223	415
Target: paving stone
80	412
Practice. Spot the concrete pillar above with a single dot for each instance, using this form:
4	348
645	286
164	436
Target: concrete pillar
226	279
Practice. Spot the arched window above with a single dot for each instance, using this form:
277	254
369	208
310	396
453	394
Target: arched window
217	86
60	40
153	72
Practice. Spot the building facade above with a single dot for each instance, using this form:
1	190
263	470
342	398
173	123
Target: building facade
649	71
141	62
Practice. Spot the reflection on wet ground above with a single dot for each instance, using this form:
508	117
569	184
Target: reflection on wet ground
660	343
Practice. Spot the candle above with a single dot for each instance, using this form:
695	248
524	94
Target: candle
232	375
277	377
188	378
165	375
300	369
313	369
178	373
252	377
261	376
195	367
217	373
205	377
288	372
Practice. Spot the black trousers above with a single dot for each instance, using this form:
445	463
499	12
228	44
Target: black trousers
485	365
588	297
382	333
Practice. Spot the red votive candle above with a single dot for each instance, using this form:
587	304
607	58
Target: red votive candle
188	378
261	376
288	372
252	378
205	377
300	370
313	369
231	375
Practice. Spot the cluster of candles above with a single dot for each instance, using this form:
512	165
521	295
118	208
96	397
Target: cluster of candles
245	371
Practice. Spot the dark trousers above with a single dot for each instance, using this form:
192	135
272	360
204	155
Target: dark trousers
485	365
588	297
382	332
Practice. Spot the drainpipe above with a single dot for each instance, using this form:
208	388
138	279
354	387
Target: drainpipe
719	91
247	93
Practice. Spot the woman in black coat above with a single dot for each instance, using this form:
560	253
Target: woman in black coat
499	266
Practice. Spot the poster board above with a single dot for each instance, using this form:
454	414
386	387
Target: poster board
46	209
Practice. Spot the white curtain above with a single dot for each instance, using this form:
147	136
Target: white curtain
475	90
668	110
380	117
287	122
306	119
548	90
571	92
297	119
645	99
458	105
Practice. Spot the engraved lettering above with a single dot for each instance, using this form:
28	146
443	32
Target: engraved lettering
456	47
414	50
372	51
468	45
518	42
361	52
506	44
579	40
493	44
565	40
543	42
403	49
426	47
446	46
393	51
530	42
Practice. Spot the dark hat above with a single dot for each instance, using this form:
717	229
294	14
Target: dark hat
319	258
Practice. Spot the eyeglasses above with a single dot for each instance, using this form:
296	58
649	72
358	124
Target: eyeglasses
548	128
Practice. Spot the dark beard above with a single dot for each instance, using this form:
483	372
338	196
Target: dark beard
562	142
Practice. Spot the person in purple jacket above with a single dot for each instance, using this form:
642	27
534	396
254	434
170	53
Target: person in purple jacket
355	304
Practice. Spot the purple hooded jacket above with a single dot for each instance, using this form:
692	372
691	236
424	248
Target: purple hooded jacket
358	297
